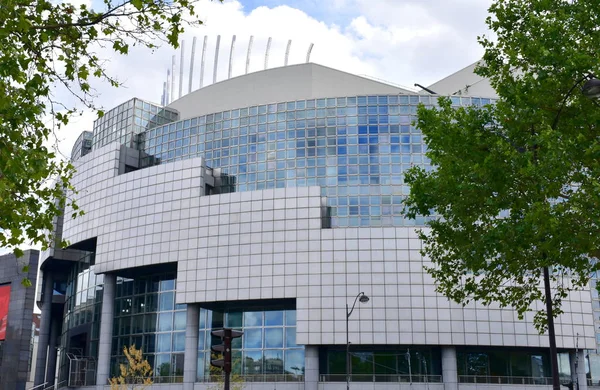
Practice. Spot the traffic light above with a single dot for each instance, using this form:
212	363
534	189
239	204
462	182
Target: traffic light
224	349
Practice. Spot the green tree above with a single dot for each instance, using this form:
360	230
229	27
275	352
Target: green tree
47	46
517	184
135	374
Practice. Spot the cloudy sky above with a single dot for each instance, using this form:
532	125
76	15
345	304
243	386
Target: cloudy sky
399	41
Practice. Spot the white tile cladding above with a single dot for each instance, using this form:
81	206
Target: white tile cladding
270	244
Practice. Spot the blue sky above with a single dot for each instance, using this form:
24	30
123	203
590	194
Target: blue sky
319	10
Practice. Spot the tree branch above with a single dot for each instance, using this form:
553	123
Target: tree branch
82	23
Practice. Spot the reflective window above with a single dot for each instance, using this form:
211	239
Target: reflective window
502	362
146	315
83	300
383	364
357	137
266	351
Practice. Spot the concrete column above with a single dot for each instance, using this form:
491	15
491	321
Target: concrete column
190	362
106	327
52	351
578	373
45	323
449	368
311	367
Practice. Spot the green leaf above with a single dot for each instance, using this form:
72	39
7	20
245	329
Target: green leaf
43	44
514	187
26	282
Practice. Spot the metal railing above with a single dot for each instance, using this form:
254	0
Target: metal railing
505	380
406	378
168	379
58	385
82	370
39	387
260	378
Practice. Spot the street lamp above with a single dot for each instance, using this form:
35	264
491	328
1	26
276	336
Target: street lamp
591	90
362	298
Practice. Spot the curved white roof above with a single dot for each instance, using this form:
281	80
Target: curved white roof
288	83
464	82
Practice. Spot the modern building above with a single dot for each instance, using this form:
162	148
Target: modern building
16	318
267	203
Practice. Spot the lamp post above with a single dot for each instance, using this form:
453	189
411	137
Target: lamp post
363	299
591	90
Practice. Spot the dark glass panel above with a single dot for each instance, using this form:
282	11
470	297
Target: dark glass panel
234	319
336	362
362	366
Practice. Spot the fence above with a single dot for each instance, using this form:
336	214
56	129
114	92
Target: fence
382	378
82	370
505	380
260	378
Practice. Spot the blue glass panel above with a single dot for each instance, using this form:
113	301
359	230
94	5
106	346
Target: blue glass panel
252	338
180	320
253	319
165	322
274	338
178	341
166	301
163	342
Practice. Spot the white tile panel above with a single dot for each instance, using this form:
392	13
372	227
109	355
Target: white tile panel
270	244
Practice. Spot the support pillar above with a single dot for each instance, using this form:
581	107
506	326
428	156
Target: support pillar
311	367
449	368
52	351
190	363
581	371
44	336
577	360
106	327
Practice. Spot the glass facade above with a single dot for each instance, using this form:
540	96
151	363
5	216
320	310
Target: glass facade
128	119
83	145
382	364
355	148
266	352
81	318
146	316
478	364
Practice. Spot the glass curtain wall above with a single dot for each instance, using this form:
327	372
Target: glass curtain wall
146	316
355	148
382	364
81	319
127	119
506	365
266	352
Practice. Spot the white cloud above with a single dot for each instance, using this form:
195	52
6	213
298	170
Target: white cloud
400	41
79	3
